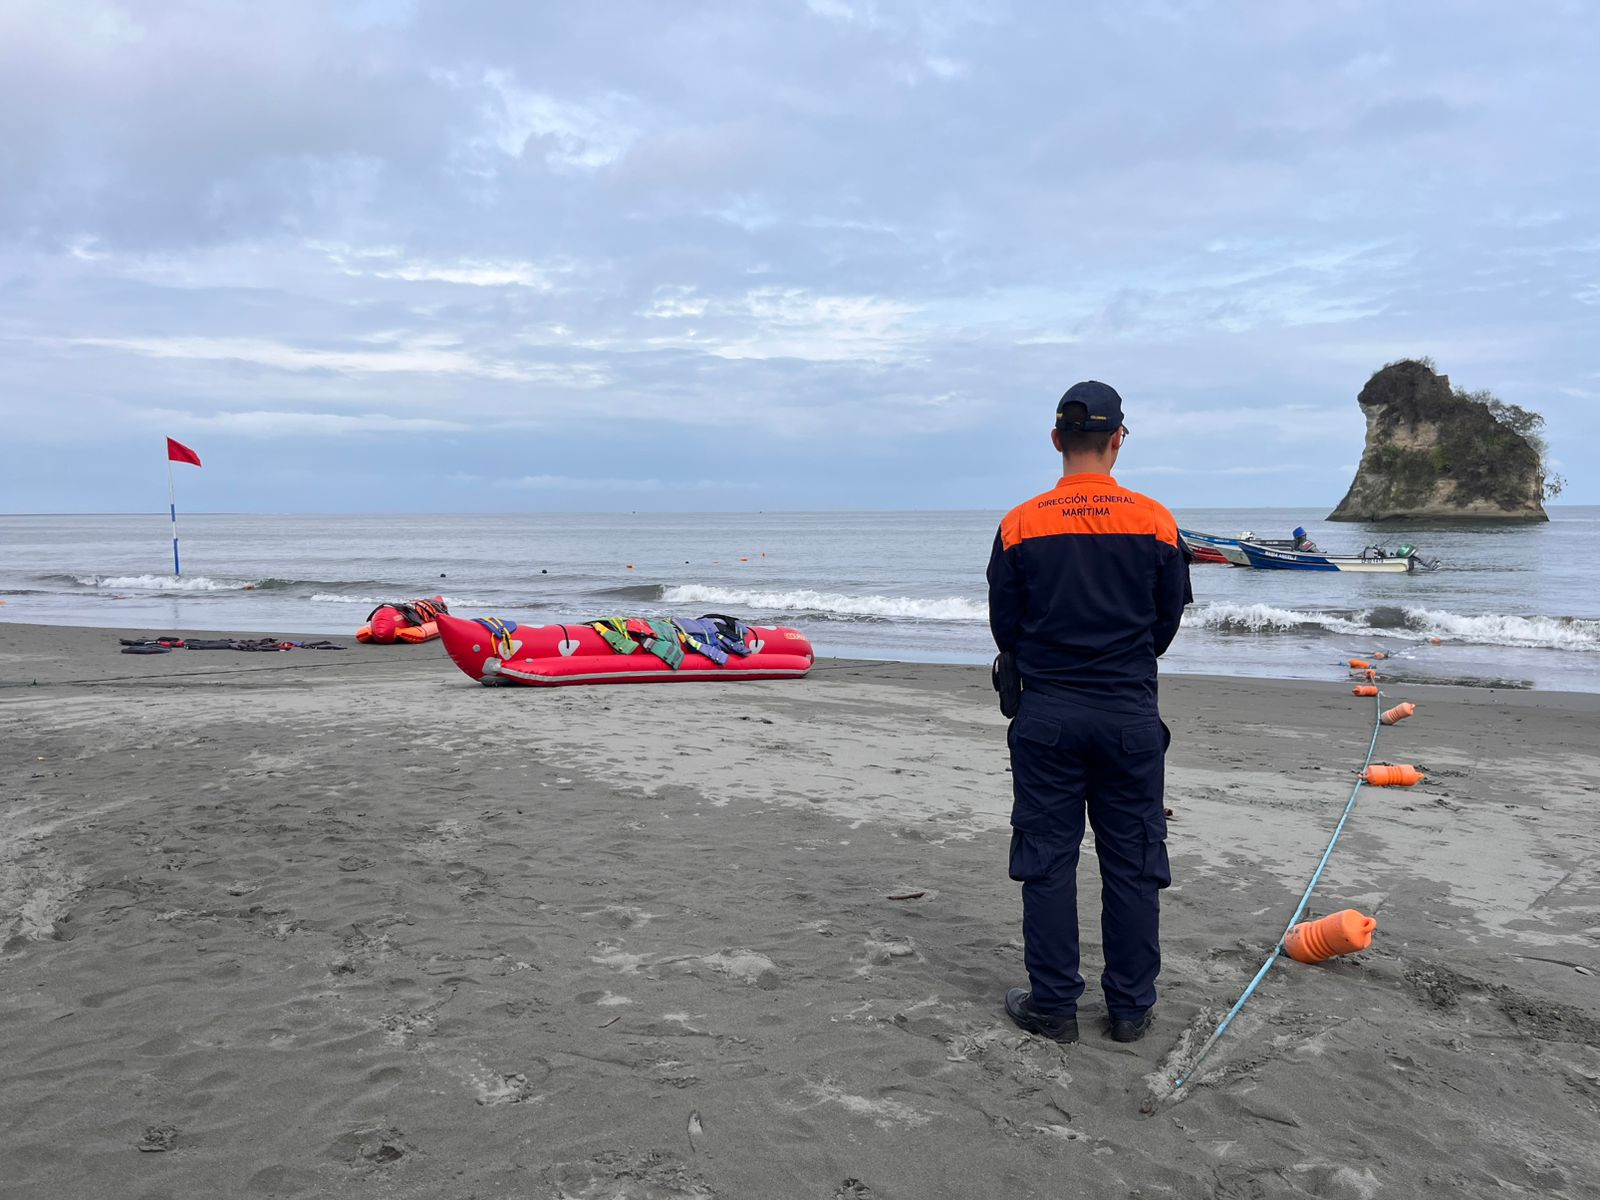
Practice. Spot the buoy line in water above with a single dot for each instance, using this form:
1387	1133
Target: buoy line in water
1332	940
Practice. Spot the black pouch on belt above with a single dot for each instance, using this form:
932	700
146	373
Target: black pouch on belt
1007	682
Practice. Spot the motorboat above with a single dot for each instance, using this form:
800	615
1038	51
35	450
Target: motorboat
1373	559
1211	548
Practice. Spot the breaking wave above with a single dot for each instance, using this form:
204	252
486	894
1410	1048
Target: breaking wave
314	589
832	605
1264	618
635	591
1404	624
165	583
331	598
1494	629
391	598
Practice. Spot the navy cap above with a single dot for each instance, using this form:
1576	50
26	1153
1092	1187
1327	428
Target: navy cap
1102	404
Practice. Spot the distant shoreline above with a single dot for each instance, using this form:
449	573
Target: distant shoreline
28	634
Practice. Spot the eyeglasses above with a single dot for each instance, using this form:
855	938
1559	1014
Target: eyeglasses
1125	433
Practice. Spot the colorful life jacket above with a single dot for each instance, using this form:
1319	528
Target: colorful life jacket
615	632
665	644
500	631
626	635
714	635
731	633
416	612
700	635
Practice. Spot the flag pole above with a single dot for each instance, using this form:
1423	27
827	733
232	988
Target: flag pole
172	504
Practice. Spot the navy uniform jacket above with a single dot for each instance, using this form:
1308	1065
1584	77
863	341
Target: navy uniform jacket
1087	585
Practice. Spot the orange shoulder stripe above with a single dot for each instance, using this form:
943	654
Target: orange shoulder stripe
1089	506
1010	528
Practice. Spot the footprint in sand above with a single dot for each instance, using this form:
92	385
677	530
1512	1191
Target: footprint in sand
603	999
621	915
881	949
745	966
654	1175
378	1146
158	1138
496	1089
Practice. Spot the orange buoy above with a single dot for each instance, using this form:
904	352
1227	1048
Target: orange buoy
1392	775
1398	713
1370	675
1365	689
1380	654
1359	664
1338	933
1433	641
630	566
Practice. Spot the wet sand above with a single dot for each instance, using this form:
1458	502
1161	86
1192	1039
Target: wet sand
347	924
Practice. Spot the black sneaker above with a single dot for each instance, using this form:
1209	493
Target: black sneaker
1056	1027
1123	1030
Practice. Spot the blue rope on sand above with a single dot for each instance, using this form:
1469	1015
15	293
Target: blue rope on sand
1277	950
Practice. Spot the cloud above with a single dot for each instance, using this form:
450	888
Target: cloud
299	424
567	134
865	245
846	12
675	301
795	323
389	263
1262	469
573	483
416	358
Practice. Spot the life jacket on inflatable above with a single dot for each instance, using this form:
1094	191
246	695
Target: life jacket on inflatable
493	650
409	621
627	634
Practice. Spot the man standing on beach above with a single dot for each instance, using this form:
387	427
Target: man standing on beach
1087	585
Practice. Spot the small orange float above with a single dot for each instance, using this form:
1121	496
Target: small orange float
1398	713
1392	775
1338	933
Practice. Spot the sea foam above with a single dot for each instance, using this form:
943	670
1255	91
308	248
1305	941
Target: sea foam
835	605
1405	624
165	583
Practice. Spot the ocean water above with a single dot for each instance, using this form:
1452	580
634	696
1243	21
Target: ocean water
1511	606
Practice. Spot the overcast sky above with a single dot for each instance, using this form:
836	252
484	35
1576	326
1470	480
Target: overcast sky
789	254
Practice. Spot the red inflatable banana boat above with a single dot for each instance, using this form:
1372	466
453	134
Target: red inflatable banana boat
493	651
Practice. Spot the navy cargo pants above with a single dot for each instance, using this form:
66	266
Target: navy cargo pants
1068	760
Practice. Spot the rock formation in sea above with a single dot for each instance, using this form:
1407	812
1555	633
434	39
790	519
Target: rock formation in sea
1434	452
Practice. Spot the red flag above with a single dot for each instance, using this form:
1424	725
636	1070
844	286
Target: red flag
178	452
